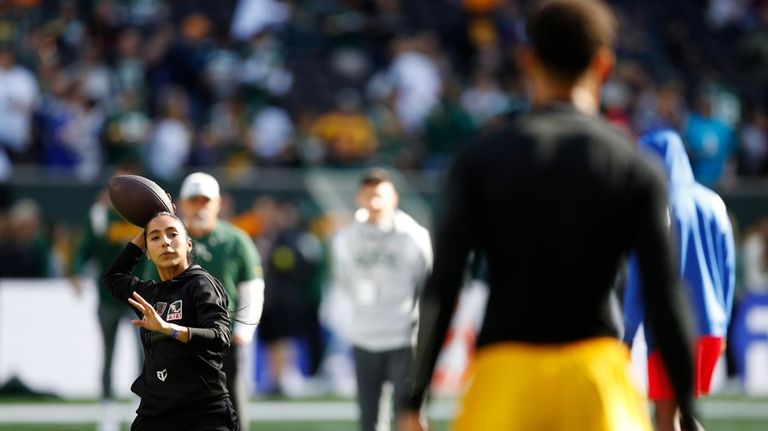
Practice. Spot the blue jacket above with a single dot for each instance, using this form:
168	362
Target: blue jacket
703	237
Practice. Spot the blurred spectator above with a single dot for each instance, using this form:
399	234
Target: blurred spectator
263	71
254	16
95	75
753	151
130	66
379	265
755	257
271	136
54	115
447	127
484	99
709	140
18	96
171	140
291	304
347	134
413	78
126	130
25	251
82	133
659	107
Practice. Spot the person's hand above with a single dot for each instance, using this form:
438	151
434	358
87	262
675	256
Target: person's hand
411	421
139	241
151	321
237	341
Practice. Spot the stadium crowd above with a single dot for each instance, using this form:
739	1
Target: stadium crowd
88	85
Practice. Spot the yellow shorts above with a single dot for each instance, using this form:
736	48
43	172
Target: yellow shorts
584	385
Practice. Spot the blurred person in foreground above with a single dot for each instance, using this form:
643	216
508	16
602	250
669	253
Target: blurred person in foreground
379	263
555	199
185	330
702	233
229	255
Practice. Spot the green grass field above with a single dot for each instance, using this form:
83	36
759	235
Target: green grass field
722	413
712	425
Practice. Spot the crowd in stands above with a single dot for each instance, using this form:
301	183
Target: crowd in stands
193	84
244	83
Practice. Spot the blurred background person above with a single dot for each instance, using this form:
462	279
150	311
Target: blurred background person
379	264
293	265
755	257
554	199
105	236
19	95
702	233
25	250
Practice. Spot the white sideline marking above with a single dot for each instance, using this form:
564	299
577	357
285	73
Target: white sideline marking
307	411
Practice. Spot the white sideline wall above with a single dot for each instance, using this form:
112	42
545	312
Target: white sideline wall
50	339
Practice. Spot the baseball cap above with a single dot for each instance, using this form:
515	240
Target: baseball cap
199	184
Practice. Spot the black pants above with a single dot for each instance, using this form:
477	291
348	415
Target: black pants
372	369
216	415
238	392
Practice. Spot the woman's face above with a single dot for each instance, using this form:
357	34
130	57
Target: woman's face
168	244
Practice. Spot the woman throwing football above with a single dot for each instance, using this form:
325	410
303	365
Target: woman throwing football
184	332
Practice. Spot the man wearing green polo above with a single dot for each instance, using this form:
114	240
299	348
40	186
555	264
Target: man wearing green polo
230	255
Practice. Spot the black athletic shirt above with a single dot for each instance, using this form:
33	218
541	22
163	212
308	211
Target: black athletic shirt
177	375
554	199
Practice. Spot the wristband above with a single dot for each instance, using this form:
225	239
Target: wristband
174	333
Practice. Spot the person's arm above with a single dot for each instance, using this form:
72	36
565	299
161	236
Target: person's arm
250	307
729	265
250	292
666	310
213	315
211	307
118	278
82	254
151	320
453	244
634	309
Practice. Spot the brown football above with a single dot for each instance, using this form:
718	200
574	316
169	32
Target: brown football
137	199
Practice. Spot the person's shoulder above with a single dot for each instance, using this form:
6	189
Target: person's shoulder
198	277
231	231
712	203
404	222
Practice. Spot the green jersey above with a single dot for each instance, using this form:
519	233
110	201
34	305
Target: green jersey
106	234
228	254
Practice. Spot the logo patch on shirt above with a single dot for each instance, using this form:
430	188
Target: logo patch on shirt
160	307
162	374
174	312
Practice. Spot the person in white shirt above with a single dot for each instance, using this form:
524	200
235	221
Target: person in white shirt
380	263
18	95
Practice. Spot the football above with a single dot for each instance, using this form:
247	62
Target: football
137	199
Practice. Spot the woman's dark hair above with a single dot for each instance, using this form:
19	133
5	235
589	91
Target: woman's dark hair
191	253
566	34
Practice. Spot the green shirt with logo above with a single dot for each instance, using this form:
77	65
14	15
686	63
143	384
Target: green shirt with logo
106	234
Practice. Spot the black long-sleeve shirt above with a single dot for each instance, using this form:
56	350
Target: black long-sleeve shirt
554	200
177	374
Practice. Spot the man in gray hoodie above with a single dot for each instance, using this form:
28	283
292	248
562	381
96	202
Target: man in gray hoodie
380	263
